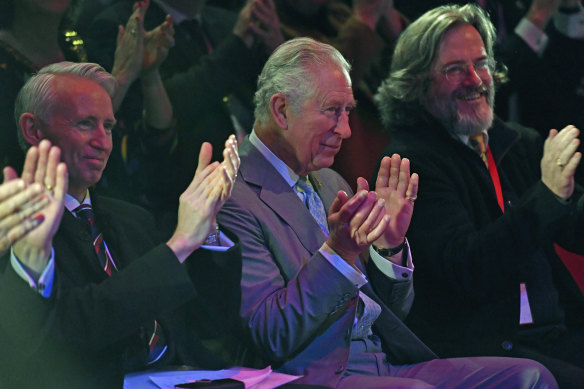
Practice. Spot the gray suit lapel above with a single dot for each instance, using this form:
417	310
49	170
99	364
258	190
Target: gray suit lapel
274	191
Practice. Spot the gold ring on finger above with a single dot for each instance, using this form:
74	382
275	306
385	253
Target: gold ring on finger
49	187
411	198
559	162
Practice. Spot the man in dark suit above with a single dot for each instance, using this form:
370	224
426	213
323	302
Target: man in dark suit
307	305
91	293
495	200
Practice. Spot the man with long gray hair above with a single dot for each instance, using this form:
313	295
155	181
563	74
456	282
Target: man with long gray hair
495	198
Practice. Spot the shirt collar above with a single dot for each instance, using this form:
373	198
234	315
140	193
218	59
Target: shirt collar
465	139
285	171
71	202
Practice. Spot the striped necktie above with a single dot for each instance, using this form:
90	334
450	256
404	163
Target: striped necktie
313	202
153	332
85	213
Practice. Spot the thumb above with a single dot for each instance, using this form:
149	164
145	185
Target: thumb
204	156
9	174
338	202
120	34
362	184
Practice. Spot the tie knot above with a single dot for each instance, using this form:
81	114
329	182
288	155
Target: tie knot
304	185
84	211
478	143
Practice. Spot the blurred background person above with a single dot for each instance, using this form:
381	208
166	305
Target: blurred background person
210	74
36	33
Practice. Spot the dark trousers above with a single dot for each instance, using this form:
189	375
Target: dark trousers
557	348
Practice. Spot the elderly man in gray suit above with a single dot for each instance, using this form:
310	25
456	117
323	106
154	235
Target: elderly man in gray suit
310	305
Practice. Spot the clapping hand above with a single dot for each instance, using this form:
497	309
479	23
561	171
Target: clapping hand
357	222
204	197
19	207
399	189
157	42
42	168
560	160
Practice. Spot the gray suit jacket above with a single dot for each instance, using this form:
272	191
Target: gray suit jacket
297	309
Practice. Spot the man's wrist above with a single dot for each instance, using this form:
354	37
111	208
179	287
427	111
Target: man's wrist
214	238
390	251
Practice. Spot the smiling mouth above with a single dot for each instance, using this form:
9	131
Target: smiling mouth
471	95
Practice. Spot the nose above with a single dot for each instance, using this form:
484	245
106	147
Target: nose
343	129
101	138
472	77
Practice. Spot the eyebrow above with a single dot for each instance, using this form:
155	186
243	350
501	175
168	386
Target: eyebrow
458	62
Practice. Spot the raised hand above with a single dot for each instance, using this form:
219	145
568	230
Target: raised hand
266	24
369	11
231	165
20	205
129	52
560	160
157	42
200	202
399	189
355	223
42	168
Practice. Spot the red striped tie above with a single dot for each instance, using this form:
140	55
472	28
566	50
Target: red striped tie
152	333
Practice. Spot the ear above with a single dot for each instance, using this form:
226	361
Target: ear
30	128
278	108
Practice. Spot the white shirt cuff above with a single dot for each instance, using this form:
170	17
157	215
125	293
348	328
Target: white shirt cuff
44	284
535	38
392	270
571	25
350	272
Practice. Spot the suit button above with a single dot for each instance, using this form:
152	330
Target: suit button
506	345
340	369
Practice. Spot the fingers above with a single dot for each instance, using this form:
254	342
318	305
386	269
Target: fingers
366	219
19	231
61	182
383	173
15	196
565	144
30	163
412	191
362	184
53	159
349	208
9	174
404	177
205	155
10	188
231	157
394	171
41	168
338	202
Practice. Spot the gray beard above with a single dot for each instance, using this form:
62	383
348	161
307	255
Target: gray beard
448	115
